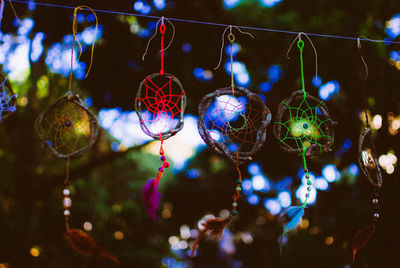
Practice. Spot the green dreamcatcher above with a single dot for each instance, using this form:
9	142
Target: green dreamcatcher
303	127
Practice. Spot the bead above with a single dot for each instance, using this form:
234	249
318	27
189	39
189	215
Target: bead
66	212
307	194
309	182
307	176
161	169
234	212
376	215
238	188
305	125
67	202
239	181
375	201
308	189
162	158
66	192
166	165
234	204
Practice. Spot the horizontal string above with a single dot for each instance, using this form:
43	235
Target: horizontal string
213	24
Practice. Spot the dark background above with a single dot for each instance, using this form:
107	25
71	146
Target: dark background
31	181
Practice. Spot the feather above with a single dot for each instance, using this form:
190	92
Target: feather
213	230
292	216
151	197
291	219
361	238
85	245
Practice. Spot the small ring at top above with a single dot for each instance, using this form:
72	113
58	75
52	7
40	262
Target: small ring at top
300	44
162	28
231	38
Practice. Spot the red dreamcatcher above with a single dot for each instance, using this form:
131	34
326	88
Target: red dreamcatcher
160	103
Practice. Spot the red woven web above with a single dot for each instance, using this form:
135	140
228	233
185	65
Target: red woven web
161	105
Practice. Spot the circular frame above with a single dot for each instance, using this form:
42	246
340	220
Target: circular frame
138	107
373	173
221	148
313	149
94	128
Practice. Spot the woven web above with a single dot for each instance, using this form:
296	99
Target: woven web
7	99
67	128
160	105
233	123
305	123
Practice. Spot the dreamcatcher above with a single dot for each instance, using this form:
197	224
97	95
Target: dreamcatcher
67	129
368	161
8	99
160	103
303	127
233	122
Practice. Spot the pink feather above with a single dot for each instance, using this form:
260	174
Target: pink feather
151	197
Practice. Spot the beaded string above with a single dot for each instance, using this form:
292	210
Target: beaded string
300	45
165	164
238	187
375	199
66	193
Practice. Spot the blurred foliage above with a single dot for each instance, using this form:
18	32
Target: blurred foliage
106	185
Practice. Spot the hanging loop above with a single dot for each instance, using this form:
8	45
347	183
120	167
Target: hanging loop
300	45
162	31
231	39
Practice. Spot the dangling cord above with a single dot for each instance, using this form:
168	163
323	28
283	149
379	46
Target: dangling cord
66	193
165	164
238	186
162	31
300	45
74	33
155	33
231	38
364	69
307	177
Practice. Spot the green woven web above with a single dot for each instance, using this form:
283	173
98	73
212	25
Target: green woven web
304	125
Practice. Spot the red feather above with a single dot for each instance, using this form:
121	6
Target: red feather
213	230
85	245
361	238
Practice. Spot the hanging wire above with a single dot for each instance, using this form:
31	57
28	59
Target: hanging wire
213	24
315	50
161	20
363	80
223	41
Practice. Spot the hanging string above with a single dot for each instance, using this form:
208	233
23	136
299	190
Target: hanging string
364	68
238	186
161	20
298	37
66	193
162	31
231	38
211	23
74	39
15	13
1	11
165	164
